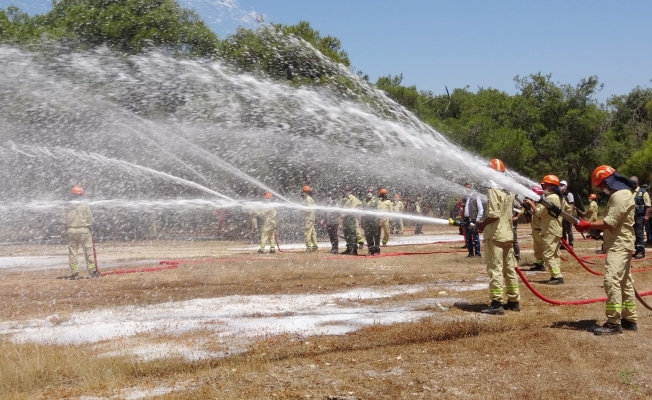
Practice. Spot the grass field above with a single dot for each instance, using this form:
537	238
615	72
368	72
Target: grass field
237	325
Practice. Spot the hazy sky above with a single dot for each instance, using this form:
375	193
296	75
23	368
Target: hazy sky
458	43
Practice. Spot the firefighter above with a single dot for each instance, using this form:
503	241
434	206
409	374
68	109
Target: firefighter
397	223
269	225
349	222
472	214
551	228
309	232
499	252
641	217
569	207
370	223
619	244
418	230
591	215
331	221
78	220
537	239
384	205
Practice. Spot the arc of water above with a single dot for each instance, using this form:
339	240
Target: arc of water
58	152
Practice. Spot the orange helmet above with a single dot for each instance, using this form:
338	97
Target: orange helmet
78	190
267	195
382	191
497	164
600	173
550	180
306	189
592	196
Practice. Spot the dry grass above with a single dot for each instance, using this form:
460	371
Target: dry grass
544	352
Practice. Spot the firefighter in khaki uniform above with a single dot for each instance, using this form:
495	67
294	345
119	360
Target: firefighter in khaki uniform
619	244
269	225
591	215
537	239
78	220
498	239
370	223
384	205
349	222
397	223
309	232
551	228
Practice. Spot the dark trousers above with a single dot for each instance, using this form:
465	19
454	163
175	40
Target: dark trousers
372	235
419	228
348	229
517	248
332	235
567	232
472	241
638	231
648	230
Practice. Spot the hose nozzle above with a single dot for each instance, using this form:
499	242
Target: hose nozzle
454	222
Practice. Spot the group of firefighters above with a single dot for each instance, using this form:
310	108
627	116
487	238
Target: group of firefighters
618	236
496	225
376	228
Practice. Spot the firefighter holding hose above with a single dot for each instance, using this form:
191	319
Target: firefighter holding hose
551	228
78	220
385	205
619	244
499	252
537	239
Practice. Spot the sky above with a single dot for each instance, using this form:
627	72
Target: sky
437	44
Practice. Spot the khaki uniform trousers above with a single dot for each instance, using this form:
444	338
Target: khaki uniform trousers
619	287
385	229
310	234
359	237
80	237
501	268
267	236
552	254
537	245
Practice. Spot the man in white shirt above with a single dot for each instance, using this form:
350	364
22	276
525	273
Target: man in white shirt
473	213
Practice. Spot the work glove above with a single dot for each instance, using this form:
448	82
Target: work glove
582	226
554	211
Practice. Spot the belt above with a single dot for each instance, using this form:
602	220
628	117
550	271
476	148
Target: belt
537	229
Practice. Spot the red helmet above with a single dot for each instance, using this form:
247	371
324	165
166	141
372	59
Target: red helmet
538	190
78	190
268	195
550	180
592	196
600	173
497	164
306	189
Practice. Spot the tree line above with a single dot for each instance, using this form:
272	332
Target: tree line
545	128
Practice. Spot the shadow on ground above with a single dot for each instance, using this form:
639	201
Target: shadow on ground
583	325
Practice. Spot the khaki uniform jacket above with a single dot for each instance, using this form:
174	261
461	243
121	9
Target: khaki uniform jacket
78	216
591	214
350	202
500	204
270	218
309	215
619	215
398	206
385	206
417	207
549	224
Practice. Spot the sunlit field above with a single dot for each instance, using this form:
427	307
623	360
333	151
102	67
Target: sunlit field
222	322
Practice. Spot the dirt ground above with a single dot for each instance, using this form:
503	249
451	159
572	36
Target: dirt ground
453	351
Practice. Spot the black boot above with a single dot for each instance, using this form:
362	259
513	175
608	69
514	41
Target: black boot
555	281
354	250
537	267
628	325
348	249
512	306
496	308
608	329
